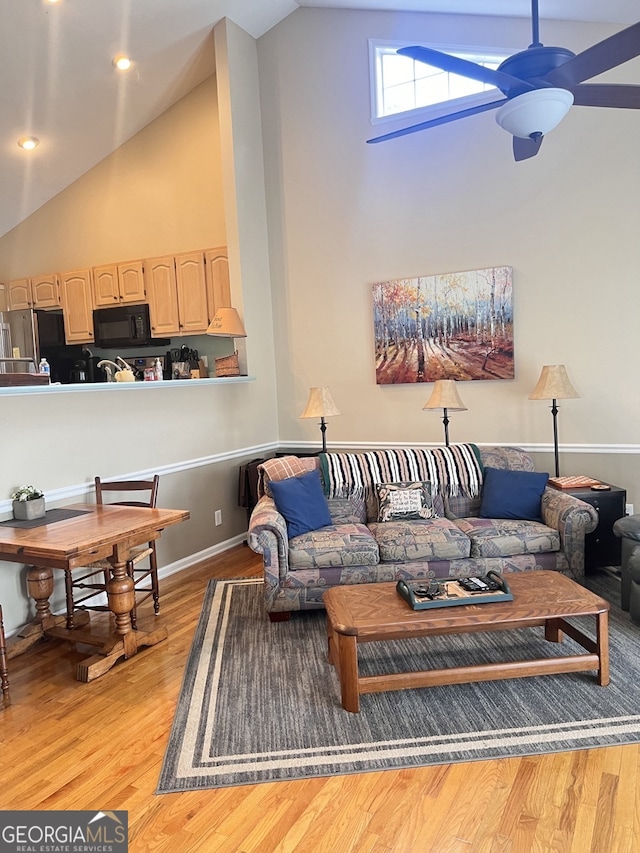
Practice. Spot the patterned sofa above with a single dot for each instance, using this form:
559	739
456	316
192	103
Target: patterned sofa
356	548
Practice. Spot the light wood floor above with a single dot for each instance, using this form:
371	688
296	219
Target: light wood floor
68	745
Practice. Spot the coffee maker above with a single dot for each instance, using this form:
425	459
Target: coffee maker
85	368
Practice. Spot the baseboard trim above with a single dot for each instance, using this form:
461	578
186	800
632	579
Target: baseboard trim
201	556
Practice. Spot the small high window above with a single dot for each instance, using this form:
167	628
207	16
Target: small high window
401	84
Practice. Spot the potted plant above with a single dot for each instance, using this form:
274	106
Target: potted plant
28	503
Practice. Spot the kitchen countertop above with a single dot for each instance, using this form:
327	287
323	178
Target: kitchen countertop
110	387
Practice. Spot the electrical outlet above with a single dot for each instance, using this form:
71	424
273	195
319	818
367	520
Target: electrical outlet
218	517
629	509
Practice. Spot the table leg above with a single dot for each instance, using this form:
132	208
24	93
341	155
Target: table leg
552	631
602	640
126	642
121	602
347	650
4	671
40	587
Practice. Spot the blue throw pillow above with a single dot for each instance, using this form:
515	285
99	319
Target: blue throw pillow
512	494
302	503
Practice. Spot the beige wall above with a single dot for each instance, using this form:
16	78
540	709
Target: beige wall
344	215
161	192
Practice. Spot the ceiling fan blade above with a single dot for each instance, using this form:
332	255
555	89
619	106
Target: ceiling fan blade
606	95
434	122
455	65
607	54
523	149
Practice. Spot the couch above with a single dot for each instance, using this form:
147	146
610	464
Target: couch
455	539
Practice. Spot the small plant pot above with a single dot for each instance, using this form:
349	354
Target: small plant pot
27	510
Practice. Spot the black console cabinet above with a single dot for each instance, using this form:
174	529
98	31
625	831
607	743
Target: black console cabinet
602	547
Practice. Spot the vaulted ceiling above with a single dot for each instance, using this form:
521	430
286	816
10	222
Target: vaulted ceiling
59	85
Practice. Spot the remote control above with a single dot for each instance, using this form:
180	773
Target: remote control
478	584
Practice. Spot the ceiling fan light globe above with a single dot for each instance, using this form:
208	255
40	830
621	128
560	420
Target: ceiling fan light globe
534	113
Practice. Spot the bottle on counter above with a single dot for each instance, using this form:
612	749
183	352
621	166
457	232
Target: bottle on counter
158	370
44	367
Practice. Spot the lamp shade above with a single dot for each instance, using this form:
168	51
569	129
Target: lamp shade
320	404
534	113
445	396
227	324
553	384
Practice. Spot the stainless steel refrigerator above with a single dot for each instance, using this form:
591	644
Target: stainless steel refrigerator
19	352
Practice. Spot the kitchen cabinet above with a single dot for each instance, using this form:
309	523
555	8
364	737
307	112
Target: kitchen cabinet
162	295
77	306
177	294
37	292
192	293
217	279
116	284
19	292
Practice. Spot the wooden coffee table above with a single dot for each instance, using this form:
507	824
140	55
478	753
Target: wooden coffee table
366	613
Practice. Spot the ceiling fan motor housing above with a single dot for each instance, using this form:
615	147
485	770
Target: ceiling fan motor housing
534	63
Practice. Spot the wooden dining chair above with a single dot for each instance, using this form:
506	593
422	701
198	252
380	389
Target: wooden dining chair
93	582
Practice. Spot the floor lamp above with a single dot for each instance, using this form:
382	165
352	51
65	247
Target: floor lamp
320	405
553	385
445	396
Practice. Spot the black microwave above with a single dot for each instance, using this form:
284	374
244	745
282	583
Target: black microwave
123	326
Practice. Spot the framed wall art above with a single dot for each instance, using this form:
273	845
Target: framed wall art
455	325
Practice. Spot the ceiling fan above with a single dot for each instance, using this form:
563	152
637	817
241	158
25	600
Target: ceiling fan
540	84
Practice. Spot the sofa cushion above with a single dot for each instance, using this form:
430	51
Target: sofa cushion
301	501
461	506
495	537
350	510
512	494
511	458
404	501
335	546
282	468
433	539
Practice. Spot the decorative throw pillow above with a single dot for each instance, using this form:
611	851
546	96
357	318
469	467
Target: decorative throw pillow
404	501
302	503
512	494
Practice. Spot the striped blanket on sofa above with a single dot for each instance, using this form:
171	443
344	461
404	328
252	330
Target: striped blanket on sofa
452	470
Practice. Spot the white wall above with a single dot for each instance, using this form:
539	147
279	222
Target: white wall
344	215
172	201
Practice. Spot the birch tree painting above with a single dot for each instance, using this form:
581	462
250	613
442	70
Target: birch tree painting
450	326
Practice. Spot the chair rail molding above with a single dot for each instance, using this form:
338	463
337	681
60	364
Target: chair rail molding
81	490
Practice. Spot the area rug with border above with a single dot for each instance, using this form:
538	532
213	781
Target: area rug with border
260	702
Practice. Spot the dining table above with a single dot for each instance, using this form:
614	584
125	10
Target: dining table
73	537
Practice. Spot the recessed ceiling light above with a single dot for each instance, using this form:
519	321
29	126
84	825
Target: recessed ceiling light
28	143
122	63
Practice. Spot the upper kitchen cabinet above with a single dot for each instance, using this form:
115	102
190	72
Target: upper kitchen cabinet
177	294
37	292
162	295
192	293
217	278
77	306
116	284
